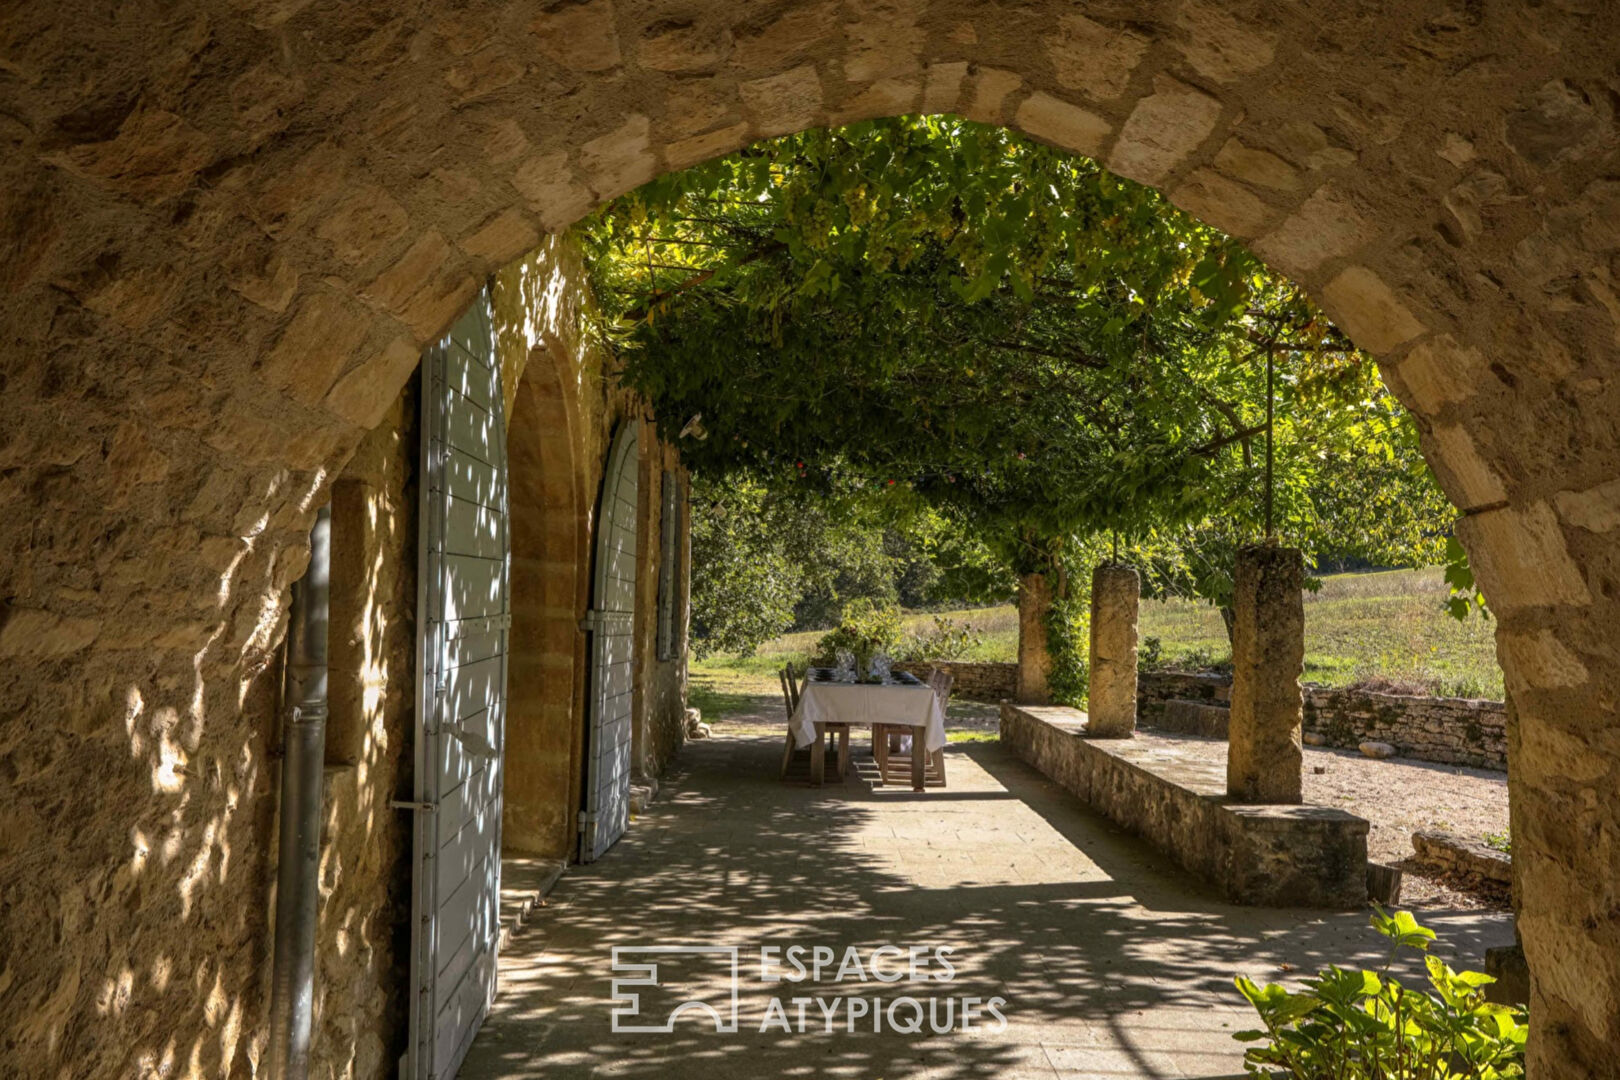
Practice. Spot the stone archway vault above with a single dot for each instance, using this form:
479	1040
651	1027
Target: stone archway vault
227	236
550	533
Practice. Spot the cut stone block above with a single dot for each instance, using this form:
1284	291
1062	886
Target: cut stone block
1115	591
1196	718
1268	656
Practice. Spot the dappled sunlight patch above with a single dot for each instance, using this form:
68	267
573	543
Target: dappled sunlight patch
1096	945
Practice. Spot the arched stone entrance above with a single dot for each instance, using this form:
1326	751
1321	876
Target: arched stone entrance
227	238
611	621
550	522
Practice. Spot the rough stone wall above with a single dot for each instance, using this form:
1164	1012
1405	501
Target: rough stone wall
1463	855
1154	688
227	233
659	698
987	680
1452	731
1196	718
362	948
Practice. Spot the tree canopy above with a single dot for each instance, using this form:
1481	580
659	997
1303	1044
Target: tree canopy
1005	330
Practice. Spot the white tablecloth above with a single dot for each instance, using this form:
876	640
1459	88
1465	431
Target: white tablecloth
865	705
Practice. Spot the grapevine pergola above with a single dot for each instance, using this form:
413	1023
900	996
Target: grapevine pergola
1006	330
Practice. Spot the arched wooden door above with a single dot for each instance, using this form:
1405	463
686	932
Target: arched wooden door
463	621
611	624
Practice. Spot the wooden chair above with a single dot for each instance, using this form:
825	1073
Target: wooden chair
896	766
792	691
790	699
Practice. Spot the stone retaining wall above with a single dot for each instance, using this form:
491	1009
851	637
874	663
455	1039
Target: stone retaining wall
990	681
1463	855
1453	731
1279	856
1155	688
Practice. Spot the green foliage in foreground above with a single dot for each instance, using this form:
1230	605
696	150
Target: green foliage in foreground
1363	1025
867	628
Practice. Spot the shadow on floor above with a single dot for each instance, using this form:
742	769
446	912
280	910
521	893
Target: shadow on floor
1110	961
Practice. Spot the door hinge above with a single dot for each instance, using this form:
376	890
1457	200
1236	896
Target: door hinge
425	807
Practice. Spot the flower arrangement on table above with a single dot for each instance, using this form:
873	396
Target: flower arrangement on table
867	630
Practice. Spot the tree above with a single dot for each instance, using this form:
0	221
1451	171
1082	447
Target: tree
769	559
1045	350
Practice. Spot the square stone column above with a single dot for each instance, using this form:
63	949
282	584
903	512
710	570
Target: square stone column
1264	758
1115	592
1034	661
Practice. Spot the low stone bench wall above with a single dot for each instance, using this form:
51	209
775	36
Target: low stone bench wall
1277	856
1196	718
1451	731
975	680
1463	855
1156	689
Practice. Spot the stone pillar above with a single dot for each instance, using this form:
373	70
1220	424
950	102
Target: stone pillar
1034	662
1115	591
1264	757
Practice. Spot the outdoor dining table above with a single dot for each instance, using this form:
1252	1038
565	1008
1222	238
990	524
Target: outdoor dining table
899	700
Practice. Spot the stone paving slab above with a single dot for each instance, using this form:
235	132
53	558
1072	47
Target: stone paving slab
1111	962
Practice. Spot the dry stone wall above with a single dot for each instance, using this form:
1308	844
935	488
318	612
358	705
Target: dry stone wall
227	233
1463	855
1155	688
1452	731
988	681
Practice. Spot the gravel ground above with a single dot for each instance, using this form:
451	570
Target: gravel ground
1397	796
1400	796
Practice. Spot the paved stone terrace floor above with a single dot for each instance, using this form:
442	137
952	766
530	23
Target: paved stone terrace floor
1111	961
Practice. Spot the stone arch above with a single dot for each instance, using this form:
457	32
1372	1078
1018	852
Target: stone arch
218	278
550	525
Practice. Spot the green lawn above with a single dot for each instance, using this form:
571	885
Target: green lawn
1383	628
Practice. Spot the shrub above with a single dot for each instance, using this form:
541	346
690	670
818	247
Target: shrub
1364	1025
947	639
1150	654
864	628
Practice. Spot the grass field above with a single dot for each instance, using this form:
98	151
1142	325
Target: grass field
1384	628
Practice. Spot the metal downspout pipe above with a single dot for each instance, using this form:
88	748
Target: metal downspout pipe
303	763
